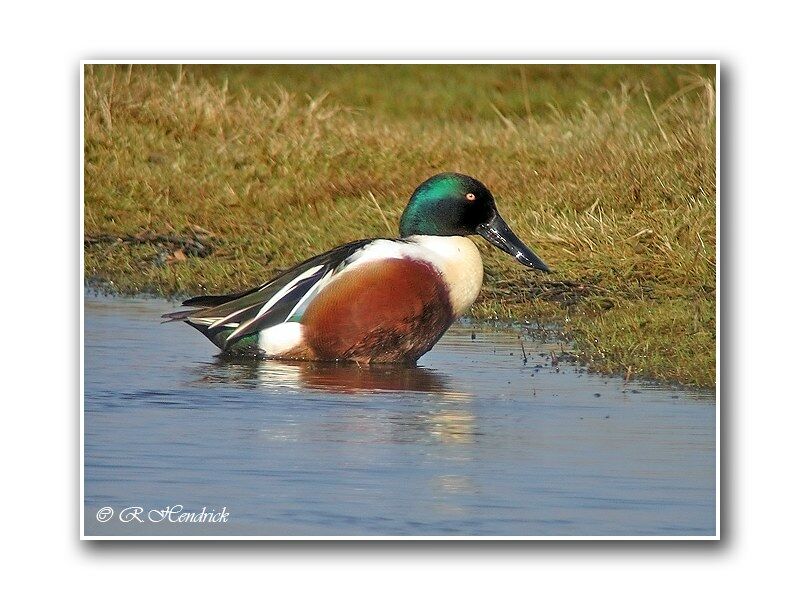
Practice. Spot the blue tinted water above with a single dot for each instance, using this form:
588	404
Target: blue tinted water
473	441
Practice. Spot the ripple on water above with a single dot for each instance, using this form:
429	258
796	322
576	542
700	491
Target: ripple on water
473	441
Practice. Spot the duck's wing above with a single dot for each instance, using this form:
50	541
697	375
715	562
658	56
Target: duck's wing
225	319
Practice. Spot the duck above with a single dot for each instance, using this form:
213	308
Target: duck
376	300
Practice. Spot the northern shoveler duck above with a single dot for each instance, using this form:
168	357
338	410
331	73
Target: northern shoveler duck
373	300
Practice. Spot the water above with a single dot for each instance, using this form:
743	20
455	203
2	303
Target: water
473	441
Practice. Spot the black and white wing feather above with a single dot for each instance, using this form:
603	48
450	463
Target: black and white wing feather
226	319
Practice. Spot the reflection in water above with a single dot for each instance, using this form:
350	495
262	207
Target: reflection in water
343	378
455	484
475	442
446	420
449	425
454	426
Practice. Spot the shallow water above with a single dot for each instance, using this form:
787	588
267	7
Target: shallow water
473	441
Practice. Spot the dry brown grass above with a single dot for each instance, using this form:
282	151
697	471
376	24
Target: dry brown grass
615	190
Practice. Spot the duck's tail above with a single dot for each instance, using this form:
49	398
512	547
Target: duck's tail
201	303
180	315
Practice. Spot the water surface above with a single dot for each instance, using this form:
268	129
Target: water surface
473	441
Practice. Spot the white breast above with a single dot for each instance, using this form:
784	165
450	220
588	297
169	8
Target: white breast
459	261
455	257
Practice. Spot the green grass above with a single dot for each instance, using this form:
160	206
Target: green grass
607	171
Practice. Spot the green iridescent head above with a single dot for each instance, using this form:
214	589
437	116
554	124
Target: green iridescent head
447	204
455	204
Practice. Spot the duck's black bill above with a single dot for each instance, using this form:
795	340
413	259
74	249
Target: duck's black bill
499	234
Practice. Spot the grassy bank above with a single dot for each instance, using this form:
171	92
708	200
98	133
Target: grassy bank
214	178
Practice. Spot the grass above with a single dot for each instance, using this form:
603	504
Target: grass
607	171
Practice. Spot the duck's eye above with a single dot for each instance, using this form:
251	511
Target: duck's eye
470	196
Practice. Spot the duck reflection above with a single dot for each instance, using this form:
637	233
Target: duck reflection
338	378
442	414
449	425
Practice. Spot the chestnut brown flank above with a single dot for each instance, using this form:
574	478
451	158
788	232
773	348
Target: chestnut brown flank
391	310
